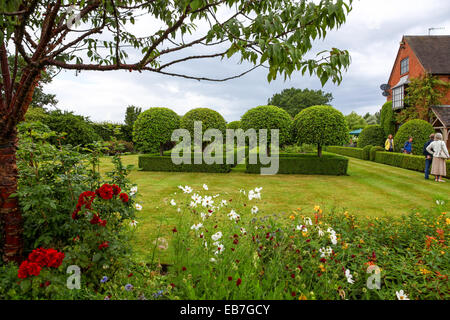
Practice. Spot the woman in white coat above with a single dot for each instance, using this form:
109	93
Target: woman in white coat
440	154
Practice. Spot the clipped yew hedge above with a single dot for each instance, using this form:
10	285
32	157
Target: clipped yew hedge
349	152
155	162
307	164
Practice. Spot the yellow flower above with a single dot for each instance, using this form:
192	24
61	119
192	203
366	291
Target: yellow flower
305	234
292	217
302	297
447	221
322	268
425	271
316	208
344	246
361	241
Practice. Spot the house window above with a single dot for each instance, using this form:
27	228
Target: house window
398	96
404	66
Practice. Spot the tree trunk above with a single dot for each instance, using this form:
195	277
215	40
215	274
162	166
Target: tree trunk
10	216
319	151
161	149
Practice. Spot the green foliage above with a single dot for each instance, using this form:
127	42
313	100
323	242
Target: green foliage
358	153
373	152
234	125
36	114
405	161
210	119
366	151
269	117
153	129
420	130
78	129
131	116
371	136
355	121
108	131
165	163
371	119
308	164
322	126
118	146
387	120
295	100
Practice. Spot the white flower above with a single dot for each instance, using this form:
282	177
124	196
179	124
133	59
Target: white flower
196	226
321	233
212	260
186	189
207	202
401	295
133	223
233	215
203	215
255	210
254	194
193	204
349	277
179	210
138	207
196	198
302	228
133	191
223	203
308	221
333	239
325	252
173	203
220	248
242	191
205	187
216	236
243	230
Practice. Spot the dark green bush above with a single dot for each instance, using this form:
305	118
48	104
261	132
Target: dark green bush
349	152
371	136
322	126
107	130
155	162
308	164
420	130
269	117
373	152
387	120
153	129
234	125
366	152
78	129
401	160
118	146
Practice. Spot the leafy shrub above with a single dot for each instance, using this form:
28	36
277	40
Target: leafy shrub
322	126
153	162
304	148
373	152
387	120
108	131
35	114
153	129
349	152
78	129
309	164
420	130
118	146
371	136
210	119
366	152
234	125
269	117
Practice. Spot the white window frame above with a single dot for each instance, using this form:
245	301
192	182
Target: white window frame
398	97
404	66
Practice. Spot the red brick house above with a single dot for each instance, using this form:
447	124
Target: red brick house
416	56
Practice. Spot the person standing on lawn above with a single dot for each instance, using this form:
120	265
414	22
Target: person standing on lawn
440	154
428	157
389	144
407	148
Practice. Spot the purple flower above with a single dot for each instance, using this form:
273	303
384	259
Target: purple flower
129	287
104	279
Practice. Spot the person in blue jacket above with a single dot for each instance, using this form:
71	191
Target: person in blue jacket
407	148
428	157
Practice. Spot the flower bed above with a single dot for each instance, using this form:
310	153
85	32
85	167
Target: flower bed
309	164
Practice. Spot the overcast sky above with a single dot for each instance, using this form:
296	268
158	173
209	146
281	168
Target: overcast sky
372	34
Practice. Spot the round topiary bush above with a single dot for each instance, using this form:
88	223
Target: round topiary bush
153	129
387	121
322	126
269	117
419	130
234	125
371	136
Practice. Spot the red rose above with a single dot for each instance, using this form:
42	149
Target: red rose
23	270
106	192
230	278
55	258
124	197
95	219
238	282
38	256
102	223
33	269
104	244
116	189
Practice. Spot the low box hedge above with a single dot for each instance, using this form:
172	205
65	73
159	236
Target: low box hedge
155	162
349	152
308	164
373	152
405	161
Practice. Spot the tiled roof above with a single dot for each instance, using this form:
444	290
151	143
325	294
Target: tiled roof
443	114
432	51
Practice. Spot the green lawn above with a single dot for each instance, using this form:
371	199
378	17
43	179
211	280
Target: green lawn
371	189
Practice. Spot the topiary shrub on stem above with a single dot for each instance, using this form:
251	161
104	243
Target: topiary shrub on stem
371	136
234	125
269	117
322	126
209	118
153	129
419	130
387	120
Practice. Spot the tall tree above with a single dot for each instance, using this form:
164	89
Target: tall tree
355	121
131	115
295	100
94	35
